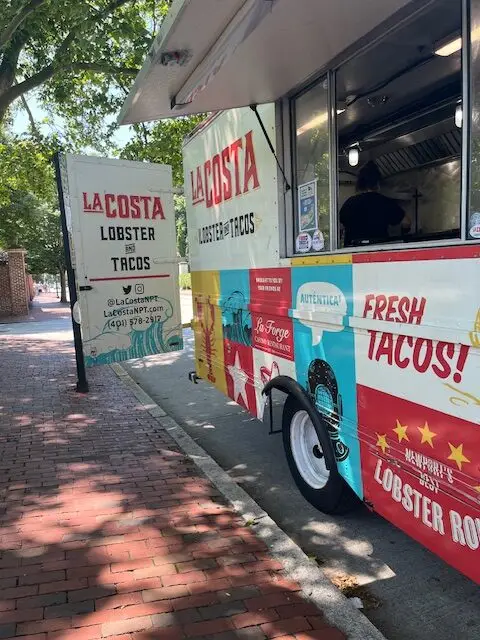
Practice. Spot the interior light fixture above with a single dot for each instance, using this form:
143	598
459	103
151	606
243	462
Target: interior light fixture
243	23
340	111
449	48
353	156
459	115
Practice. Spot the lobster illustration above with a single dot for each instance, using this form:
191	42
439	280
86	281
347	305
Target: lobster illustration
206	315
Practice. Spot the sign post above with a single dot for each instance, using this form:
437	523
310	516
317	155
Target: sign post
82	383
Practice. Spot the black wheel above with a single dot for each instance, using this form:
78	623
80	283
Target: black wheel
324	488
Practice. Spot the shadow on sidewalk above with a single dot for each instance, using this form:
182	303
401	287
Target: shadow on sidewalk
107	527
45	306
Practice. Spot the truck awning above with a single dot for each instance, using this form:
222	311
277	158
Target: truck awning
212	55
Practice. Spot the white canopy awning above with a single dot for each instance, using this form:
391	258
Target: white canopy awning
212	55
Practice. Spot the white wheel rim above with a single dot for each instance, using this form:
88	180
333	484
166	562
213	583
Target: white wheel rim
307	451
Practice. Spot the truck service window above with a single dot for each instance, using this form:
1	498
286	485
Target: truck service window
399	128
312	170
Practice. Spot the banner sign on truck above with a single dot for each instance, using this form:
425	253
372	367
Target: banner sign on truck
121	227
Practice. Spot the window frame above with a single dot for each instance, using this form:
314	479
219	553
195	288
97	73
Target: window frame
288	103
324	77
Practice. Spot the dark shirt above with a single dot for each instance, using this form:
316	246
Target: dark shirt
367	216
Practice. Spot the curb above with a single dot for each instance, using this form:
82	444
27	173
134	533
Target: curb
337	609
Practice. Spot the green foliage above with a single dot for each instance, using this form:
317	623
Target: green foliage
81	56
28	203
181	226
185	280
162	142
25	166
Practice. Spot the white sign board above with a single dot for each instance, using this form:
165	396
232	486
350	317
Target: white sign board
121	227
231	189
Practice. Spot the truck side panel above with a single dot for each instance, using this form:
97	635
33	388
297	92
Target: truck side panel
386	342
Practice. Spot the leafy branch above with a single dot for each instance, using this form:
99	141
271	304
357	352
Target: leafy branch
18	19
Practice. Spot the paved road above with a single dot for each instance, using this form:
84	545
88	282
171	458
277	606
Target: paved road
420	597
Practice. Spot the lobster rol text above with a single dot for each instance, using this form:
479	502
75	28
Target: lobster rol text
423	354
135	208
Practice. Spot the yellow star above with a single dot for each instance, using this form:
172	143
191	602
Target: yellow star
456	454
382	442
427	435
401	431
477	488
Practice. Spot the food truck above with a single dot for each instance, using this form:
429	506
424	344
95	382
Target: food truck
370	329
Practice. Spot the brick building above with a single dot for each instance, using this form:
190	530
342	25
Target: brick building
16	285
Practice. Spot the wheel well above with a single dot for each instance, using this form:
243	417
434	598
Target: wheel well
298	394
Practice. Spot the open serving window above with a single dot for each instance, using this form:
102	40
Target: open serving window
390	142
393	84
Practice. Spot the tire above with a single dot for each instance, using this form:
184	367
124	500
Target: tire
324	489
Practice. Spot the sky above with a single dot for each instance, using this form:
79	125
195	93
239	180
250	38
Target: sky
21	122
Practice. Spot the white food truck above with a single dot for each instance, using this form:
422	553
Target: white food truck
334	227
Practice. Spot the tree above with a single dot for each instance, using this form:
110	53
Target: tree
46	252
80	55
181	226
25	166
29	216
27	223
162	142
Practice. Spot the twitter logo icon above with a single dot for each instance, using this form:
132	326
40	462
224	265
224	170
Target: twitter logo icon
126	290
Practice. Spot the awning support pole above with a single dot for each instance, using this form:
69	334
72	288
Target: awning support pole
253	107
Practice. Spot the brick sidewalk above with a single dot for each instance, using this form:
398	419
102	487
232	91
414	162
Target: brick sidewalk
45	306
108	530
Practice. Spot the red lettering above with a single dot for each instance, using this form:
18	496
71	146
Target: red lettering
234	148
135	211
402	363
123	208
110	200
250	172
86	204
200	195
368	307
417	310
97	203
427	355
443	350
217	189
385	347
462	359
146	202
157	209
403	307
380	306
208	173
227	174
391	309
371	346
420	343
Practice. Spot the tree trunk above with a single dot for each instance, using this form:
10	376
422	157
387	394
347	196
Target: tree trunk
63	286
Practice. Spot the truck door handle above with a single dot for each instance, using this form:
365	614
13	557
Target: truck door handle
86	287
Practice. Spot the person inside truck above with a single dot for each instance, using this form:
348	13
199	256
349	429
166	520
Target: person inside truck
367	215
